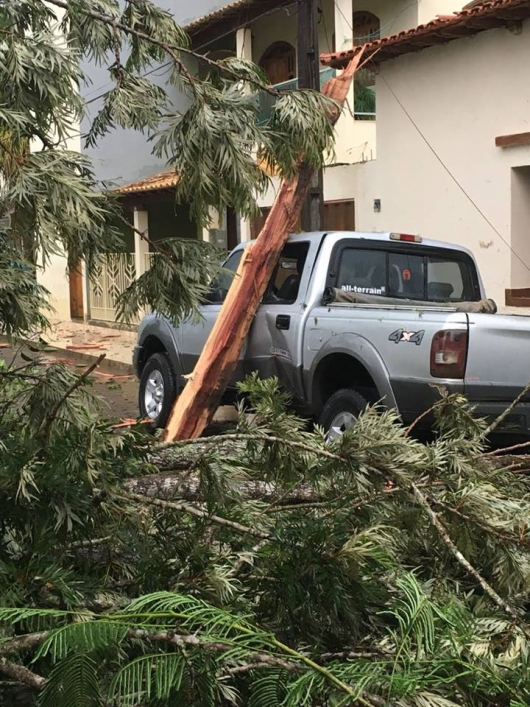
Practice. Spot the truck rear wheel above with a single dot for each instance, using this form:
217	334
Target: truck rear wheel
157	390
340	412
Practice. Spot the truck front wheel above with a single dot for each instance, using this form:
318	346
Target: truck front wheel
157	390
340	412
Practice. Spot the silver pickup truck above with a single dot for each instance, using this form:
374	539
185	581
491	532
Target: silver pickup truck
354	318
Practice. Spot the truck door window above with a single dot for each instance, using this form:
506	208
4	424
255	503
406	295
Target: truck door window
285	282
221	284
362	270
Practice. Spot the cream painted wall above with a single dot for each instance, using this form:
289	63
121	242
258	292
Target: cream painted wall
394	15
54	275
281	26
428	9
460	96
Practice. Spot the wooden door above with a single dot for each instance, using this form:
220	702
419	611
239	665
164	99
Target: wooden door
279	62
75	277
231	229
339	215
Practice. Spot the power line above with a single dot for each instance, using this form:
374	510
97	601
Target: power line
382	30
452	176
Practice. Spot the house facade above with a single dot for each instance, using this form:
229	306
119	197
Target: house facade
266	32
415	147
453	140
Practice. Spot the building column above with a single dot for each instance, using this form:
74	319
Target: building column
244	43
141	246
244	51
346	130
245	230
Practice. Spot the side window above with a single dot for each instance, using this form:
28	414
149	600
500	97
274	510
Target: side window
406	276
447	280
362	271
285	282
221	284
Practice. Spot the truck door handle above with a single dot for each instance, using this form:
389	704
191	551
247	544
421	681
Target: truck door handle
283	322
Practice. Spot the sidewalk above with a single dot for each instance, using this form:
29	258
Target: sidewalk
85	341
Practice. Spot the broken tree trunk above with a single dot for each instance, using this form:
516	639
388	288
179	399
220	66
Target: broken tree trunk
195	407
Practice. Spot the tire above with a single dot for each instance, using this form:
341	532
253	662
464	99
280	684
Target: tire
340	411
157	390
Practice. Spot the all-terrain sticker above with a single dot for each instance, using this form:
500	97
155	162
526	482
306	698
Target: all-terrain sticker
412	337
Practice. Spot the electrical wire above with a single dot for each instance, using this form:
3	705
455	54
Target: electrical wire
384	30
452	176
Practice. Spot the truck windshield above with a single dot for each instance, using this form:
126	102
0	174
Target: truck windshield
432	277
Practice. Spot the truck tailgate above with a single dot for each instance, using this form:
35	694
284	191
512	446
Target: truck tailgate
498	364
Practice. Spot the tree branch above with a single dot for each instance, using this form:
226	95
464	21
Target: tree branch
168	48
508	410
195	512
236	436
77	383
22	643
488	589
21	674
483	526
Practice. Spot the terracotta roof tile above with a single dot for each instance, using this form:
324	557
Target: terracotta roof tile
163	180
445	28
216	14
233	13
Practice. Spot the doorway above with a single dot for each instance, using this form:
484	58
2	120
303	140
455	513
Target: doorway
75	278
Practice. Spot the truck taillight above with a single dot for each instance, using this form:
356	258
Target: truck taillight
449	354
406	237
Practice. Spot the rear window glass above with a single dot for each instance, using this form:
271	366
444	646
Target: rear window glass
431	278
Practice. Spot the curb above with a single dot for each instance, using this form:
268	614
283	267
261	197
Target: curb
108	365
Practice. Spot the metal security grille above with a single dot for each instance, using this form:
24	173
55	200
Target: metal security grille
111	276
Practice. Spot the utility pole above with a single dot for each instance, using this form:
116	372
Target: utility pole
309	77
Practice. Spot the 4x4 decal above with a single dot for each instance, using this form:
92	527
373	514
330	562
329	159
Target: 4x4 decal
412	337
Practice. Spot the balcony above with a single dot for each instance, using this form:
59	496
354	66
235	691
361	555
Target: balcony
364	97
266	101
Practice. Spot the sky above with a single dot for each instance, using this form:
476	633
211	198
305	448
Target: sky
186	11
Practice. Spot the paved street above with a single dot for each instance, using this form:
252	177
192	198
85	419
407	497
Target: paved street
119	392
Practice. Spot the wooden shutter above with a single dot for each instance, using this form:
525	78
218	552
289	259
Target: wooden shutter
339	215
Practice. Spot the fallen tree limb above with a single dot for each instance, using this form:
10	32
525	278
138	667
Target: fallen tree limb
21	674
187	488
196	405
197	512
22	643
488	589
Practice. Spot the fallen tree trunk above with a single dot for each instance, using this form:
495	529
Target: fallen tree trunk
195	407
187	487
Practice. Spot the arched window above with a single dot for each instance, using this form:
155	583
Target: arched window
279	62
366	27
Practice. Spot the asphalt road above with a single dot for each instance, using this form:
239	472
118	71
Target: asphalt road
118	392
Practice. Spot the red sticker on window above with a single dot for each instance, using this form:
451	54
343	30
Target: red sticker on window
406	274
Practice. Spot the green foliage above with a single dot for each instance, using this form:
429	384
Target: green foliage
348	596
54	203
177	266
265	567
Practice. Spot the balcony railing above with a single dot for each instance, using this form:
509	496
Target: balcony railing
266	101
364	98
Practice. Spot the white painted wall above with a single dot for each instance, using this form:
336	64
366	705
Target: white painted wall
428	9
459	96
54	275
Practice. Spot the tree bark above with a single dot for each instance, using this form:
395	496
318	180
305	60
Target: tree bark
196	406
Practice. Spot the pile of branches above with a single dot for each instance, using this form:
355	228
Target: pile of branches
262	567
